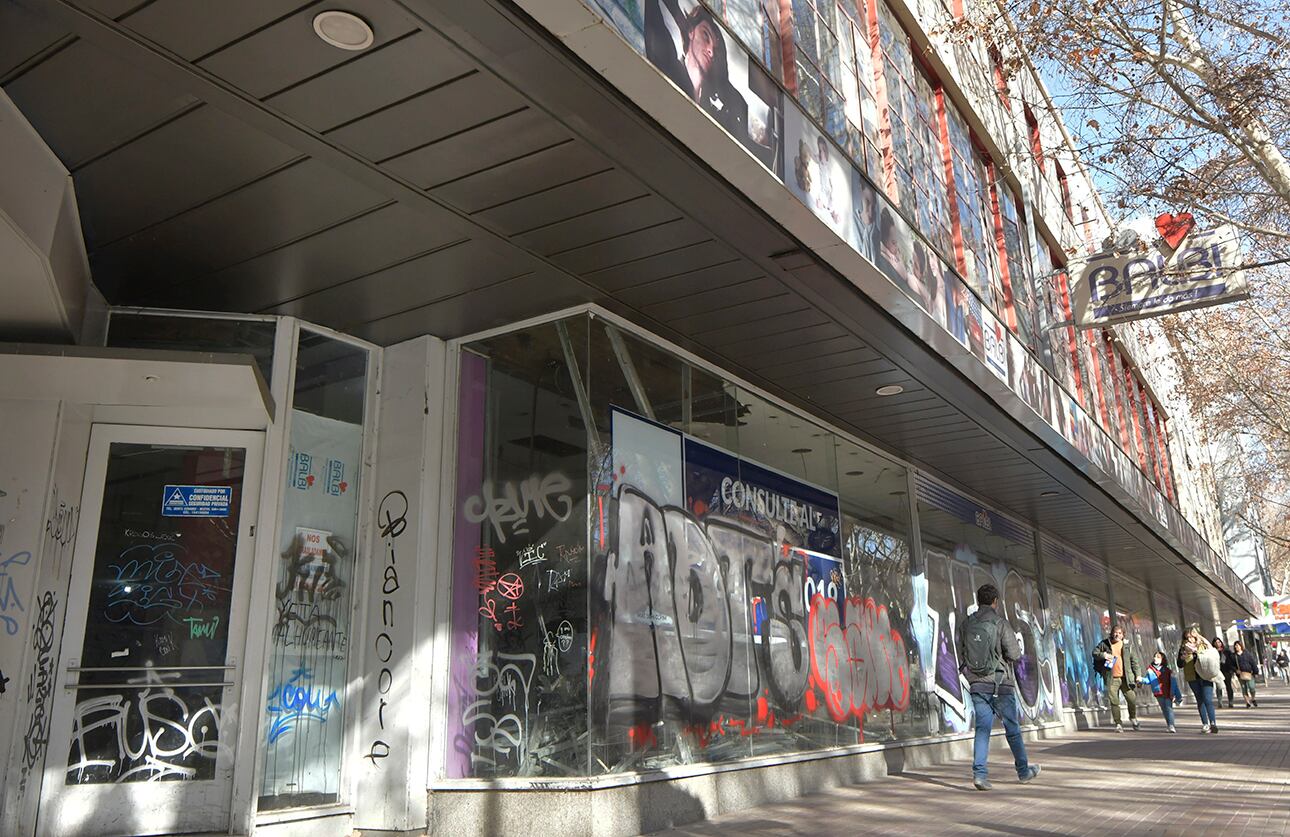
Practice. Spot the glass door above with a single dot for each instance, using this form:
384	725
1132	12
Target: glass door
154	633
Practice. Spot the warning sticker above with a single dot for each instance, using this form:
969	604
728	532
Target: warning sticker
196	500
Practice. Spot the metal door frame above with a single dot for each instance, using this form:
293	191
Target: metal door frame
149	797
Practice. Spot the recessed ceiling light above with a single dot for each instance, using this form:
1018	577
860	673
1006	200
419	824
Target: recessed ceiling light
801	450
343	30
151	379
854	473
889	389
1050	494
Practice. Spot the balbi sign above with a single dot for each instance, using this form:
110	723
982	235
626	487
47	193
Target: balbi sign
1205	270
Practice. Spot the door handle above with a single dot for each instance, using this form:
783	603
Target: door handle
152	668
147	685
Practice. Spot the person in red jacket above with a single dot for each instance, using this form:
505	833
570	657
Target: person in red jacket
1161	678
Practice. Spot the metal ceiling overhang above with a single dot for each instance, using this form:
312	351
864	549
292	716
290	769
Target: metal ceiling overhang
807	335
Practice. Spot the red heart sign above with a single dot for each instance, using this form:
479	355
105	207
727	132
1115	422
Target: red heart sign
1174	228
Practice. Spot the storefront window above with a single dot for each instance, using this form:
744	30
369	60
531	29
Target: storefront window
318	543
520	660
739	555
966	545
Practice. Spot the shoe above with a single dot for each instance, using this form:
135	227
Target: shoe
982	784
1256	704
1119	728
1213	730
1229	704
1032	773
1173	729
1204	728
1136	726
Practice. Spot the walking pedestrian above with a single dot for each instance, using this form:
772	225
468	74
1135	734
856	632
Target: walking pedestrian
1121	670
1283	663
1247	668
989	651
1160	677
1196	659
1227	666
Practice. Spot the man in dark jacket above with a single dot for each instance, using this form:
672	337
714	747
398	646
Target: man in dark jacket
1121	670
993	692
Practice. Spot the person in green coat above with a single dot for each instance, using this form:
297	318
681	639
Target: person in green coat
1121	670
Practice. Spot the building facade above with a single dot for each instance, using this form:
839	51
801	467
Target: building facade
575	416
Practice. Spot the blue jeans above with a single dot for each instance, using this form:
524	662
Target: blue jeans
1167	707
1204	692
1177	689
1005	706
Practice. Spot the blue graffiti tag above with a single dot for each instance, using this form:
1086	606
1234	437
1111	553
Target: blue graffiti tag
297	701
9	598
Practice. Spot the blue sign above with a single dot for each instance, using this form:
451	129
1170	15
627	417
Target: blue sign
196	500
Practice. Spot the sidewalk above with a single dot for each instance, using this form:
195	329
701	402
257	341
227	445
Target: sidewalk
1093	782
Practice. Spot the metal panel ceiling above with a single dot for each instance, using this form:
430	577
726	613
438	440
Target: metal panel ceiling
226	158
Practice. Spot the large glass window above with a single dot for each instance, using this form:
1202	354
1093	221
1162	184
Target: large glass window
756	23
980	256
1024	306
654	566
917	183
965	546
521	652
309	656
834	73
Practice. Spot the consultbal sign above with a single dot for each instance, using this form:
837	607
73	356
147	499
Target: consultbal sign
1115	287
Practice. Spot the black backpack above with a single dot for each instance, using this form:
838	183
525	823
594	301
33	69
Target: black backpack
982	650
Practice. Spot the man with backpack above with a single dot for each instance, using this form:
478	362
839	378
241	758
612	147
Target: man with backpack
988	648
1121	671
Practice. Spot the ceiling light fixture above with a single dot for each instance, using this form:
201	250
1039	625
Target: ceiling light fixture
889	389
855	473
801	450
343	30
1049	493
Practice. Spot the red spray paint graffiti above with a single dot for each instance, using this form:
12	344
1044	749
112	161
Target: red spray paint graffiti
859	665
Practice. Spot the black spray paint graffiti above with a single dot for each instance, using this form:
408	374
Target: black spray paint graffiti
680	625
392	517
508	507
146	734
309	589
159	582
40	686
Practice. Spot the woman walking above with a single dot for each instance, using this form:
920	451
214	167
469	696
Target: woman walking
1247	668
1189	661
1161	680
1227	665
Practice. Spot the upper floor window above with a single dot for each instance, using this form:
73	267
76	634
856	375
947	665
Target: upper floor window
978	257
996	69
1036	144
756	23
917	174
835	73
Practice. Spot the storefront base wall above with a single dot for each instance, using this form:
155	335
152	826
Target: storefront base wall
656	805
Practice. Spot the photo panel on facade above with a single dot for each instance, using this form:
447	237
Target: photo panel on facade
684	40
819	175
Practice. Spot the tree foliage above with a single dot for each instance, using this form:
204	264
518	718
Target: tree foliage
1179	105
